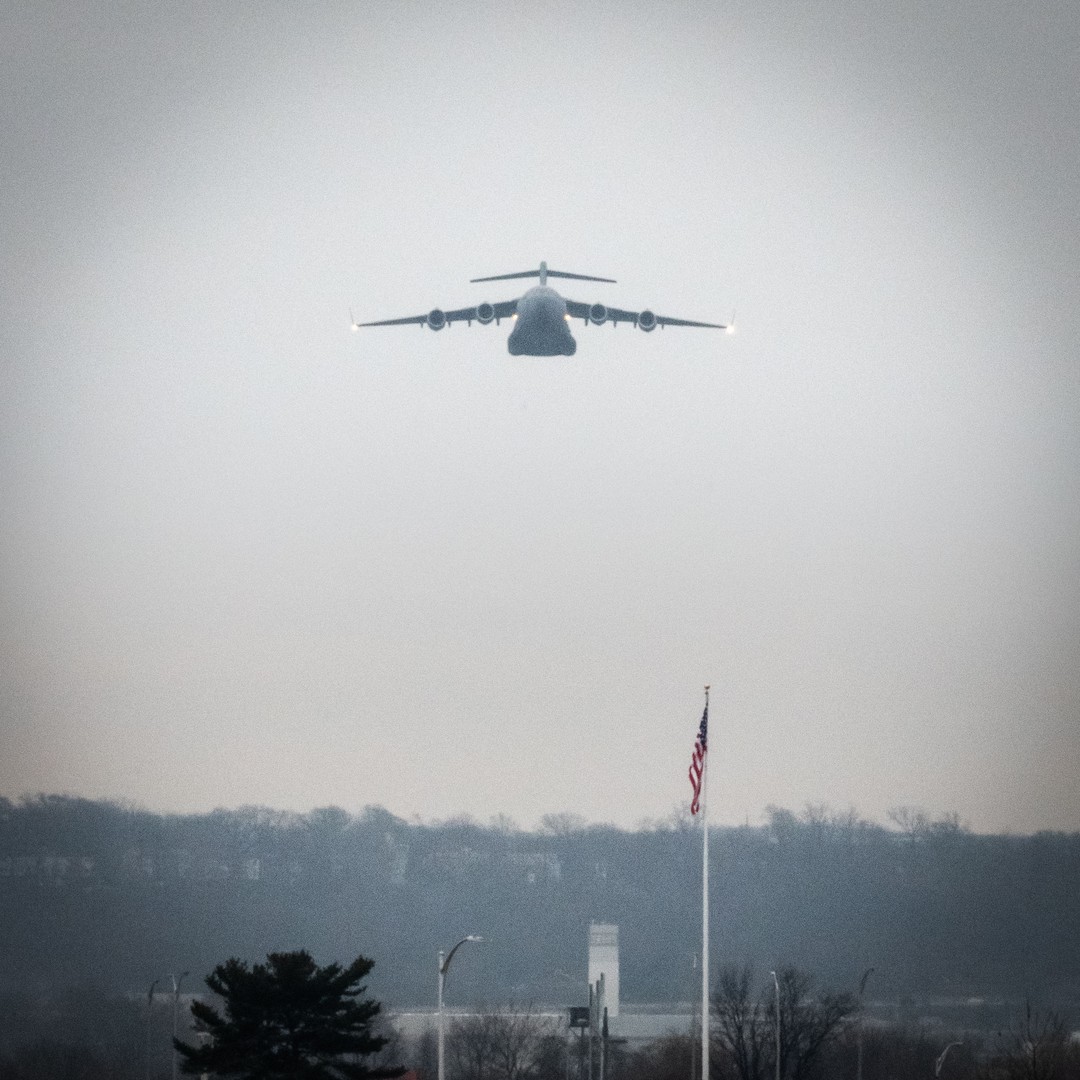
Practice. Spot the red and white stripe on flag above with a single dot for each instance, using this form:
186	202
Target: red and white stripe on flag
697	761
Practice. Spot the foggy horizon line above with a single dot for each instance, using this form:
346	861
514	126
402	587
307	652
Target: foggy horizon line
910	819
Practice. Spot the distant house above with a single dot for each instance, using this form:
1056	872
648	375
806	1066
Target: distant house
536	866
45	866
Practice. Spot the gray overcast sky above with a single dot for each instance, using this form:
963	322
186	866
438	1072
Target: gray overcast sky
248	556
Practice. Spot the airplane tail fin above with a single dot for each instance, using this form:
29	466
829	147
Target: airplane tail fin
543	274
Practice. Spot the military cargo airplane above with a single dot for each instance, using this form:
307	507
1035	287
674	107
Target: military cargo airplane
542	317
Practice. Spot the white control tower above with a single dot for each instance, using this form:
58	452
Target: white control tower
604	960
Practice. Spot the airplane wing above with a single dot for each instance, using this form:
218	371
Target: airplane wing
437	319
644	320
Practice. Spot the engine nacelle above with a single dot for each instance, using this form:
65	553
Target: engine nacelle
646	321
598	314
436	319
485	313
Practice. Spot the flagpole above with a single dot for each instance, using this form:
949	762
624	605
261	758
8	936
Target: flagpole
705	908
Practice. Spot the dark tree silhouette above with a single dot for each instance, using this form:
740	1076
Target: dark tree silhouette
807	1024
288	1018
740	1026
503	1044
104	893
745	1030
1039	1049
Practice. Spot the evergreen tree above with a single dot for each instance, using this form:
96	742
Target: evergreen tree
288	1018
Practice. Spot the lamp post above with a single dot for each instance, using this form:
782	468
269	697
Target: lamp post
149	1010
444	964
693	1026
862	986
176	981
776	983
941	1060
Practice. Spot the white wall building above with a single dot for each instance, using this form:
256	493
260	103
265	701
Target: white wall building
604	960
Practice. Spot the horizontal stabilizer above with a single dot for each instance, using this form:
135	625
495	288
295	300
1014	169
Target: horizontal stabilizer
580	277
543	274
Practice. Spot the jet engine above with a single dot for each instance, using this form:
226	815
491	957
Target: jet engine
598	314
646	321
485	313
436	319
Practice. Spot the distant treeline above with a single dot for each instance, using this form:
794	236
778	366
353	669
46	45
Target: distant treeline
102	893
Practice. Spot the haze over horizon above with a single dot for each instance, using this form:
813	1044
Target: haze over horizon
247	557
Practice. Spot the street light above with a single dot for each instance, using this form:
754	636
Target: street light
862	986
149	1010
941	1060
693	1023
175	1007
776	983
444	965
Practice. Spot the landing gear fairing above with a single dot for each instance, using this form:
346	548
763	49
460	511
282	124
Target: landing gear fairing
541	316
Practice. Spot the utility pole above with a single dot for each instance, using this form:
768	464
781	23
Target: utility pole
862	986
149	1010
597	1016
776	983
592	1025
693	1032
603	1046
175	1009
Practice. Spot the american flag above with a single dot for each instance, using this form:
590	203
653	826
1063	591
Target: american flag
697	761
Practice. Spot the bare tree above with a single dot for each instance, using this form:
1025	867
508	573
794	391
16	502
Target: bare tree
910	820
470	1046
552	1058
1038	1049
807	1023
891	1053
666	1058
745	1027
423	1053
518	1037
504	1044
740	1030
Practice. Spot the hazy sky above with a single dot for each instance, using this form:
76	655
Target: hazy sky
250	557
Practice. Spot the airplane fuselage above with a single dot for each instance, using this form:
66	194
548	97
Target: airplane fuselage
541	316
541	327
